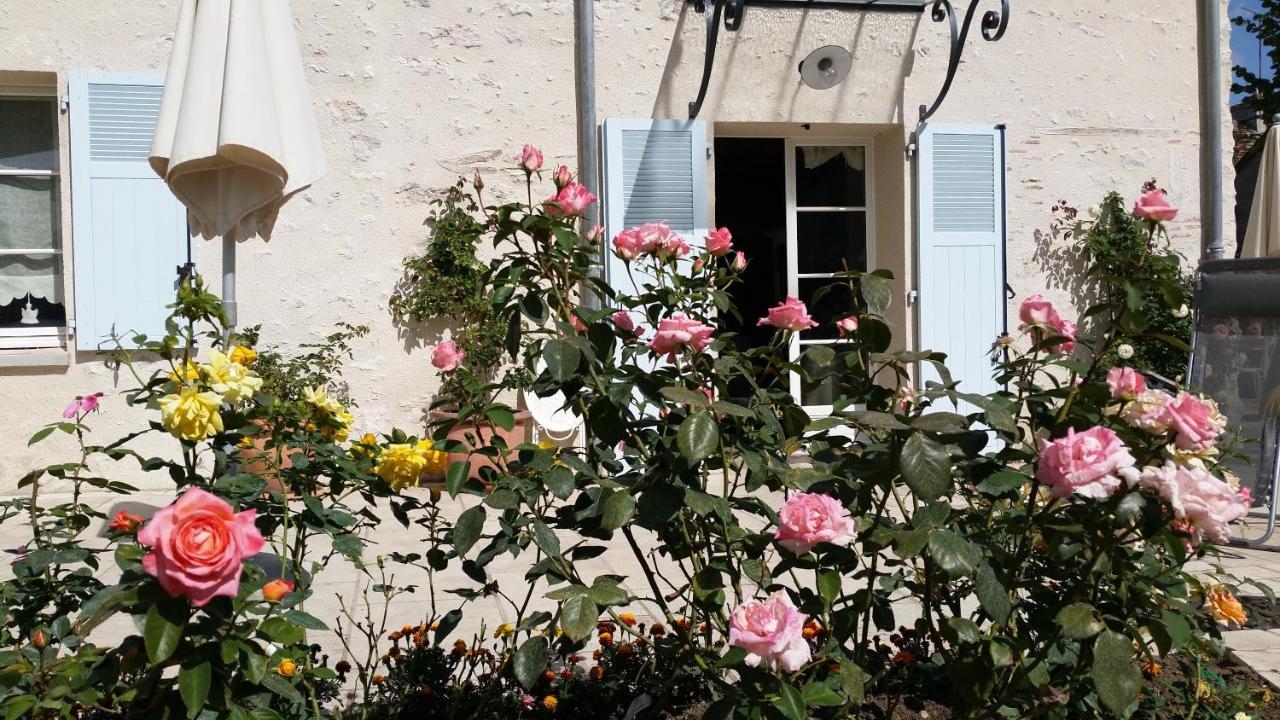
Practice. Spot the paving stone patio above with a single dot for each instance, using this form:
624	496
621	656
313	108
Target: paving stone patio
340	585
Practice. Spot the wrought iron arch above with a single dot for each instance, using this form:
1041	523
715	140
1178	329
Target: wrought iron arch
994	24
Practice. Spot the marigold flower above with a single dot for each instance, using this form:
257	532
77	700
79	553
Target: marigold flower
549	675
903	657
657	630
625	650
191	414
1152	669
597	654
126	522
379	679
342	667
627	619
606	639
504	630
550	702
287	668
811	630
1225	608
596	672
566	674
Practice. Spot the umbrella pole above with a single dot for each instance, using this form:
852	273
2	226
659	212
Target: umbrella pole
229	283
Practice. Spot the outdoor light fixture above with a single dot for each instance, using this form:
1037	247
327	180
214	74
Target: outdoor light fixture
826	67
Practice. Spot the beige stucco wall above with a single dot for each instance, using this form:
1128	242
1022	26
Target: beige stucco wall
411	93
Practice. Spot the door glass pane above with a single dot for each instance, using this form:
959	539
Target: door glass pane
826	390
831	176
31	291
836	303
826	241
28	135
28	213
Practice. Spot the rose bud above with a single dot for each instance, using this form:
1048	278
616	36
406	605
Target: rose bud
275	590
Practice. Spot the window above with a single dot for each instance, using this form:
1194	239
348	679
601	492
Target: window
32	302
829	229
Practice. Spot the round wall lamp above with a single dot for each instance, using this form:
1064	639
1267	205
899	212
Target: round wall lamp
826	67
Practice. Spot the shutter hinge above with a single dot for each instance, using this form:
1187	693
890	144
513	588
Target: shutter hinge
911	150
64	102
913	296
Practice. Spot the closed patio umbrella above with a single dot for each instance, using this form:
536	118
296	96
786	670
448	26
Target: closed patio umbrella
1262	238
236	136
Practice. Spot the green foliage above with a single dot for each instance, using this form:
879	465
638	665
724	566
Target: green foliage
1131	266
1261	88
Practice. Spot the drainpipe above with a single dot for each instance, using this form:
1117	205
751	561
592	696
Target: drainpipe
1211	199
584	85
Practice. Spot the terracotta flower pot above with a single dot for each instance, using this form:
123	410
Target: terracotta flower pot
259	460
516	435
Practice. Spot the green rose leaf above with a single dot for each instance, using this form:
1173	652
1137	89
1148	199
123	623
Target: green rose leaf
791	703
698	436
559	480
279	630
530	660
954	554
546	539
1115	673
467	531
193	686
562	359
618	509
992	595
926	466
818	694
1080	621
853	681
162	630
578	617
878	293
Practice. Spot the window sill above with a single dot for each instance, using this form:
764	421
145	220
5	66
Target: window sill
35	358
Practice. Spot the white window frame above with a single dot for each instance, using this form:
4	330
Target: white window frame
793	210
41	338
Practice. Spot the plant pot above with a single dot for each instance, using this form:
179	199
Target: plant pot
516	435
260	461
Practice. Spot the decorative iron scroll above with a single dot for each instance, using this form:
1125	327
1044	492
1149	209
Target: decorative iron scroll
994	23
732	11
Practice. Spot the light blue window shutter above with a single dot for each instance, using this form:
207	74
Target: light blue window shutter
961	250
655	170
129	233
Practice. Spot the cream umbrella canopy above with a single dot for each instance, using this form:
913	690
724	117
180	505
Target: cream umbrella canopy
236	136
1262	237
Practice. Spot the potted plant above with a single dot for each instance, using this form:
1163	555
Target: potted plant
445	283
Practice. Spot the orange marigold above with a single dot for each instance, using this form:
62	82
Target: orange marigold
550	702
606	639
627	619
596	672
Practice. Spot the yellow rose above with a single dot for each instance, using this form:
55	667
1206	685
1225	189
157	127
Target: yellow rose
287	668
504	630
190	414
233	381
242	355
343	429
1225	608
187	373
401	465
322	402
437	460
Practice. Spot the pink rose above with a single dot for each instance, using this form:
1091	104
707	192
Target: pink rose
772	632
595	234
623	321
82	405
530	159
1091	463
576	322
790	314
446	357
198	545
1125	383
561	177
847	326
661	241
720	242
1036	312
1207	503
740	261
1146	411
1154	206
626	245
1196	420
808	519
572	200
678	333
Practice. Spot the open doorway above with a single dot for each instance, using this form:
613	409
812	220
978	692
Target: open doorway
800	210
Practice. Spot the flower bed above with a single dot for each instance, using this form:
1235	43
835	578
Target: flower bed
1017	554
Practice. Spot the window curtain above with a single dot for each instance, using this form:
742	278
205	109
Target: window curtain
28	221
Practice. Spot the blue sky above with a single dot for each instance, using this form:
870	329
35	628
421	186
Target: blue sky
1244	46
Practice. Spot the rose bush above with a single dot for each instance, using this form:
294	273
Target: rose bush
1023	553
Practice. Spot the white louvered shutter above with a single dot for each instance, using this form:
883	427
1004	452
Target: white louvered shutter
654	170
129	233
961	250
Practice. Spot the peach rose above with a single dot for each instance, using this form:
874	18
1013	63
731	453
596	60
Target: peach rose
1154	206
572	200
198	546
809	519
1196	420
1146	411
678	333
446	357
720	242
1092	463
274	591
771	631
530	159
790	314
1207	504
1125	383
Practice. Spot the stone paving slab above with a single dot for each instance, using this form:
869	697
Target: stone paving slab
341	584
